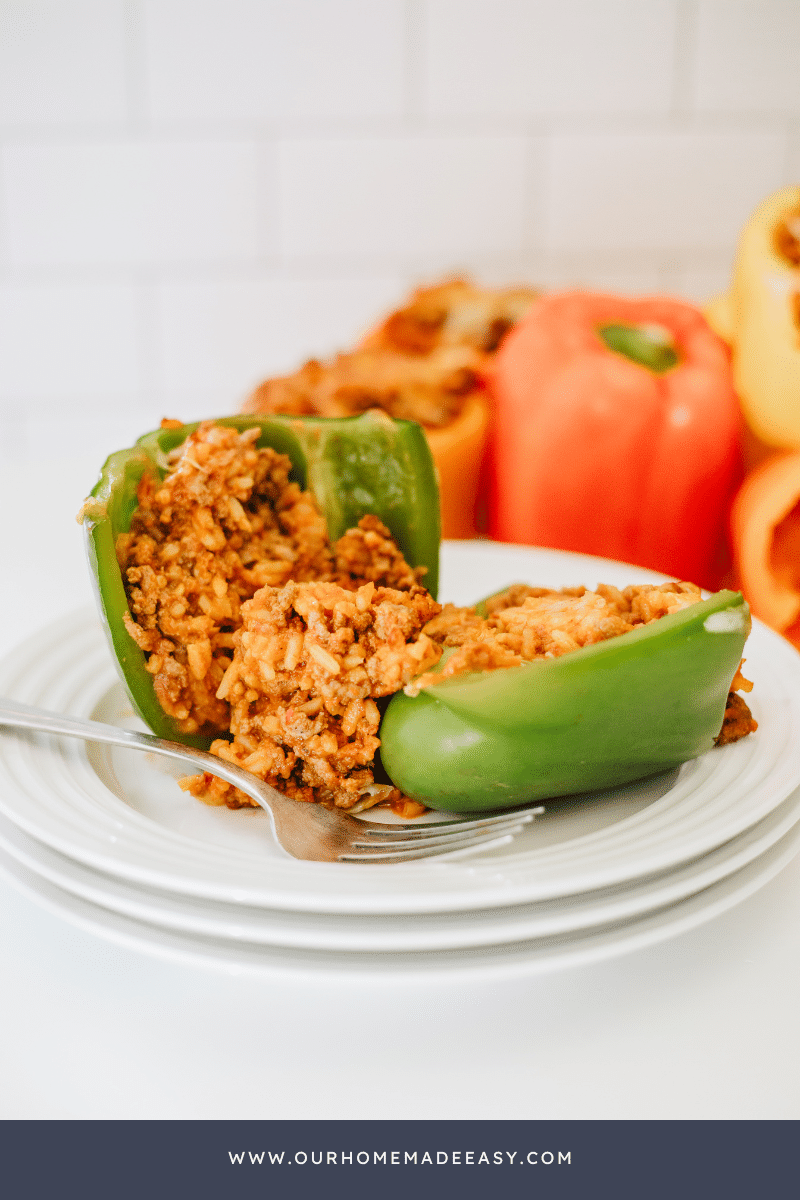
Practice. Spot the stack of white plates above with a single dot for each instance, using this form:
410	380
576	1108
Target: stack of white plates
105	837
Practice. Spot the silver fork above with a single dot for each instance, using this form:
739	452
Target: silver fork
307	831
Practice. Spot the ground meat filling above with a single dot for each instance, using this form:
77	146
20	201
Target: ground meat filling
524	623
309	663
225	522
738	720
369	554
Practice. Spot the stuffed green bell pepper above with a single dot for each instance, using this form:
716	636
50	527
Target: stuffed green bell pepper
353	466
599	716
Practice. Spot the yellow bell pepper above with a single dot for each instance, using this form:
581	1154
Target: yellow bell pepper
760	317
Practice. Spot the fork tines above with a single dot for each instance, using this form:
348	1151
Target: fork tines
441	839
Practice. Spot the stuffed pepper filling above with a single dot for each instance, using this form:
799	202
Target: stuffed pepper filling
523	624
310	661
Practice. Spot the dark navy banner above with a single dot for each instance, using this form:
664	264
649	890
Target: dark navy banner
147	1160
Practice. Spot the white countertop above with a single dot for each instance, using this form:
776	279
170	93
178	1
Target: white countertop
702	1026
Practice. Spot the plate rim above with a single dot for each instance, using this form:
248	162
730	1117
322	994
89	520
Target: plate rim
518	960
623	904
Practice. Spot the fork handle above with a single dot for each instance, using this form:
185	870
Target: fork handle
23	716
305	831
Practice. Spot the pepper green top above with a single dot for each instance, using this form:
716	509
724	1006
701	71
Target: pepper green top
352	465
646	345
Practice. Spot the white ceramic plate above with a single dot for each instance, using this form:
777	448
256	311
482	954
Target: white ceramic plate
520	958
119	813
398	933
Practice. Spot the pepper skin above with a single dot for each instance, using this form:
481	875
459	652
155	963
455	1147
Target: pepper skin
600	716
353	466
760	318
765	526
597	452
458	452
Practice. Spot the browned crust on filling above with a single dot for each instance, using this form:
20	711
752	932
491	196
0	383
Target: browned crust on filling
737	722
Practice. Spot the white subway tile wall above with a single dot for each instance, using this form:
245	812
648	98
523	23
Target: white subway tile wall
132	203
265	61
63	63
429	199
685	190
747	64
197	193
574	58
216	337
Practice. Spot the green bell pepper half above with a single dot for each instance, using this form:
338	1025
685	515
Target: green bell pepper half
600	716
353	465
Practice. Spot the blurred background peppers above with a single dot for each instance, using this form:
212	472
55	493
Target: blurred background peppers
759	317
424	362
616	433
619	427
766	536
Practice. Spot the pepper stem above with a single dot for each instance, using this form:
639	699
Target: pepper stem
650	346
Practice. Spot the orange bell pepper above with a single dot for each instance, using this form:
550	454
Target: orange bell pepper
765	526
458	452
616	433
